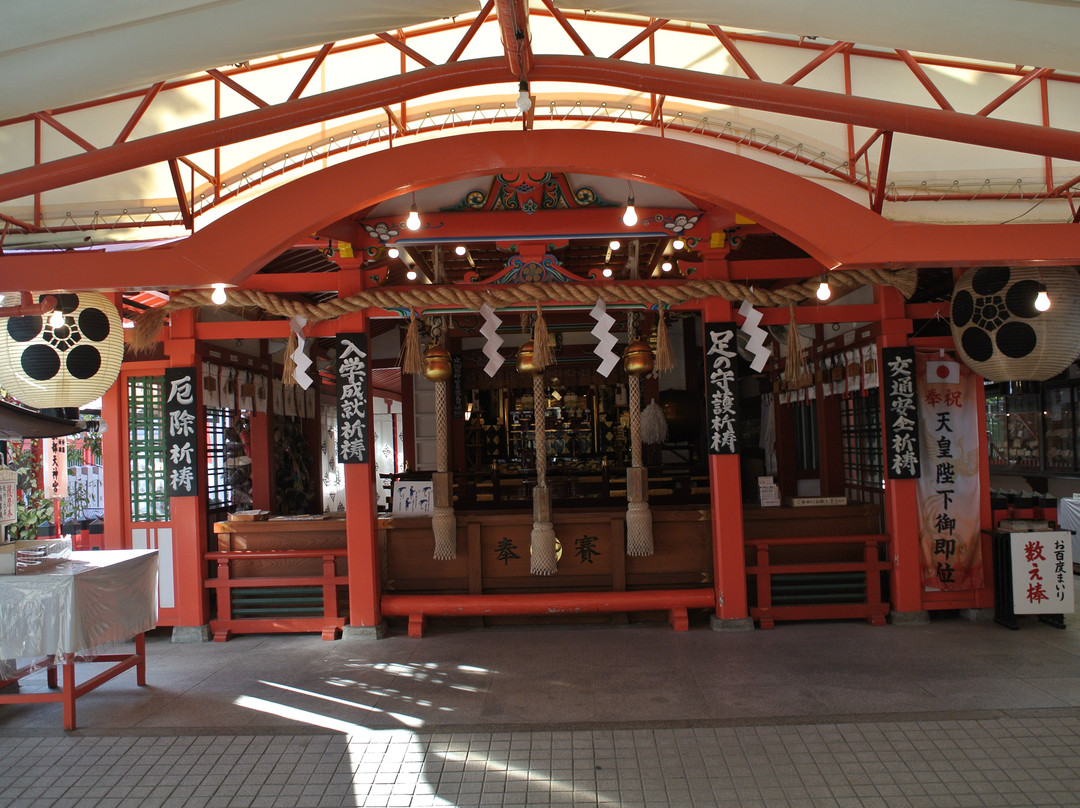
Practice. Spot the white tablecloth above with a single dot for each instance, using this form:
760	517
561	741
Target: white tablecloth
95	597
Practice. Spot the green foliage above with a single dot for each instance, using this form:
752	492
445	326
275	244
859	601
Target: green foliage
34	507
77	500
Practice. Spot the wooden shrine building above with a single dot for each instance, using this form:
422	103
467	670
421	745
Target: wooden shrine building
758	397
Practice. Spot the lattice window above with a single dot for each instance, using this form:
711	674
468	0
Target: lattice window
219	491
860	435
146	449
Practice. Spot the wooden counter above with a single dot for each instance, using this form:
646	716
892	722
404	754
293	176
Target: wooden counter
811	520
281	534
493	553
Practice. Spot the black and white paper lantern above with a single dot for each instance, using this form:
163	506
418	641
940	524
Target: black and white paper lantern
66	366
1002	336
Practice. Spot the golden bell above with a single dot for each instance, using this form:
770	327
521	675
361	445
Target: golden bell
637	358
437	364
525	359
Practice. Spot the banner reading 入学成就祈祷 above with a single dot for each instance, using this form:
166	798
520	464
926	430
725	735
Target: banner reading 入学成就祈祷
948	488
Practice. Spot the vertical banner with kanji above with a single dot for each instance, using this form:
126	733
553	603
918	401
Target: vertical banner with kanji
8	497
948	490
54	467
722	388
1042	572
352	398
901	414
181	433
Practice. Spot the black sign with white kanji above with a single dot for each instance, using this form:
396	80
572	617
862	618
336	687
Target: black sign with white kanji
351	367
721	385
181	432
901	413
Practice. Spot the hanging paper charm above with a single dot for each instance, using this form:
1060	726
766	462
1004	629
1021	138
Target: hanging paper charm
755	343
606	341
301	360
490	330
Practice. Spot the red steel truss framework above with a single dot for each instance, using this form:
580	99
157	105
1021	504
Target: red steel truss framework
200	187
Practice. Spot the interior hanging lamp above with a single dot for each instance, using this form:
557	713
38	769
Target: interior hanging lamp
47	363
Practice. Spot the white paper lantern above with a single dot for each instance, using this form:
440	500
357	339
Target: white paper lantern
1002	336
66	366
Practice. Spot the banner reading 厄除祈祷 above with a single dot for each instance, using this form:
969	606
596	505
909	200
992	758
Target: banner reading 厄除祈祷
948	488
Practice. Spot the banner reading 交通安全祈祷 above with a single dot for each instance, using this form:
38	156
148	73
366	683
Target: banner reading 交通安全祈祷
948	489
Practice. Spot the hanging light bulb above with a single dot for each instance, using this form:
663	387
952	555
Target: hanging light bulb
1042	299
607	272
219	293
823	291
460	249
523	102
666	266
393	252
678	244
412	221
411	274
629	217
56	319
614	244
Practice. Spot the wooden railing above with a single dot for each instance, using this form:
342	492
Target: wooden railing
820	589
264	604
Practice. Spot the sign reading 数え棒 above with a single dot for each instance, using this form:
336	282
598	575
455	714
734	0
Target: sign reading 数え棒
181	435
722	388
901	414
351	367
1042	574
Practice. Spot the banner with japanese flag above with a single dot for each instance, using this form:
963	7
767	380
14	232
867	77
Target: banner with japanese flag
948	488
942	371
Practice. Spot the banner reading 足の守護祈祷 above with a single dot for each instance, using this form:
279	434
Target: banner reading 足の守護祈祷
948	488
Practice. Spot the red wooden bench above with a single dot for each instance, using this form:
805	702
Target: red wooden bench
419	607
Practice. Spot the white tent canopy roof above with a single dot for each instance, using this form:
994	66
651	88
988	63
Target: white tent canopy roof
55	53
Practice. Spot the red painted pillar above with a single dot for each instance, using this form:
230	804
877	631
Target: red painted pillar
188	514
900	496
725	488
262	456
361	517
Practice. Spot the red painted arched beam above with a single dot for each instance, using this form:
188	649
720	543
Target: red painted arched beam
706	87
832	228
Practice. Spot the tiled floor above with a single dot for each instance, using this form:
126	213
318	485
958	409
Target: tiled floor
954	713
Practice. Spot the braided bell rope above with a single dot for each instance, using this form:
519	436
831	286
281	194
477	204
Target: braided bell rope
634	389
442	440
471	298
443	519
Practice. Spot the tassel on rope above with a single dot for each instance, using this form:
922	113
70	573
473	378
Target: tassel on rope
145	334
288	364
796	374
410	358
639	532
543	542
665	356
443	521
542	353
